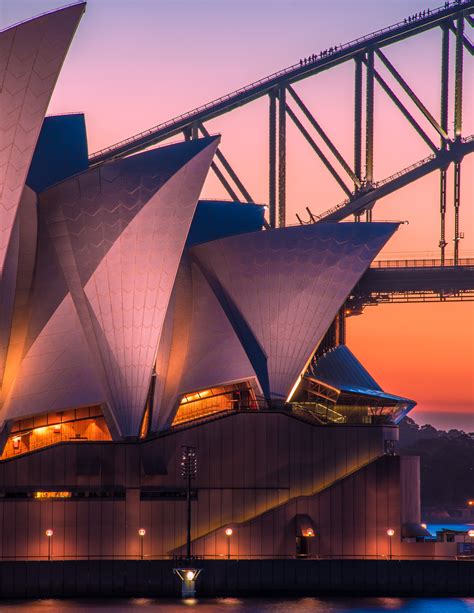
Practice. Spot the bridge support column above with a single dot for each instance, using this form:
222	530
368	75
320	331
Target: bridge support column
458	70
442	207
358	119
457	203
444	125
282	156
369	119
272	160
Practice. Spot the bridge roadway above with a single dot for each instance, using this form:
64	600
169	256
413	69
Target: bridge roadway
323	61
415	281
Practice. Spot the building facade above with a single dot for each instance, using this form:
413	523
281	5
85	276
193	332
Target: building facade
137	319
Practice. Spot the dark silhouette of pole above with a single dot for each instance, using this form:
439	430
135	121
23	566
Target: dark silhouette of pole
188	500
228	534
49	533
188	472
390	533
141	534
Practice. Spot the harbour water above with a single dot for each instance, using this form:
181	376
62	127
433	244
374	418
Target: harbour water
433	528
237	605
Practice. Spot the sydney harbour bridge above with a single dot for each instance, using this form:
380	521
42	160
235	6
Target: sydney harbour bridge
448	277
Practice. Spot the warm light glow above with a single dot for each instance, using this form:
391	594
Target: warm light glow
196	396
49	533
190	575
293	389
42	495
470	503
424	526
228	532
142	532
309	532
82	423
390	532
470	533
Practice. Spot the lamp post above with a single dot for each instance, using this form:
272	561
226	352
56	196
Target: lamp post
141	534
470	534
49	533
228	534
390	533
188	472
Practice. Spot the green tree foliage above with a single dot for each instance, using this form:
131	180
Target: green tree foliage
446	463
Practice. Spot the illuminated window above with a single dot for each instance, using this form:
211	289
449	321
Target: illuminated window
204	403
48	495
83	424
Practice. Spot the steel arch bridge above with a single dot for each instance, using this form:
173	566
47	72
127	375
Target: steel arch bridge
442	135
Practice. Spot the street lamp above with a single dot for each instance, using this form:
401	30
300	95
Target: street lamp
188	578
228	534
188	472
470	534
141	534
49	533
390	533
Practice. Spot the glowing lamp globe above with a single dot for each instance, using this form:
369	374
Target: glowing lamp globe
228	532
49	533
390	532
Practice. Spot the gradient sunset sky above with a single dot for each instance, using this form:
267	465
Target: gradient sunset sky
136	63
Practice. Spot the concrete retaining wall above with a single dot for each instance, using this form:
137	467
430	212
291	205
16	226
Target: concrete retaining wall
245	577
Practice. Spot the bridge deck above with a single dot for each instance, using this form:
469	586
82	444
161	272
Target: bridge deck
418	276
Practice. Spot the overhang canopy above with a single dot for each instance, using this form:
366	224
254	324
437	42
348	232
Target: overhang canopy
341	369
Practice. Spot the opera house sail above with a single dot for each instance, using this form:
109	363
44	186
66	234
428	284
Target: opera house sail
137	317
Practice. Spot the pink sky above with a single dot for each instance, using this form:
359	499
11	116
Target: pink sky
136	63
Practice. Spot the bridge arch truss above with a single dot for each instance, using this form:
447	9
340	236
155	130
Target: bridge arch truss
444	135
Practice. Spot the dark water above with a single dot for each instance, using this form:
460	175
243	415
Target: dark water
247	605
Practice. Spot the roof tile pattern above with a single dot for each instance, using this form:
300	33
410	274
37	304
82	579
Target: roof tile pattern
119	232
58	371
282	289
32	55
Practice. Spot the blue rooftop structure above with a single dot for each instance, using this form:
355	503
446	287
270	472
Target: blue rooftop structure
216	219
341	369
61	151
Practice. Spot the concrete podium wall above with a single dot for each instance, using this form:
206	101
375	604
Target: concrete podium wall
248	463
350	518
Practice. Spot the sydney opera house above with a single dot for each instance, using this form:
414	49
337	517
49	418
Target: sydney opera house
137	318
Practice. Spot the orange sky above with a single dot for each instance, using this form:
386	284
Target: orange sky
135	64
